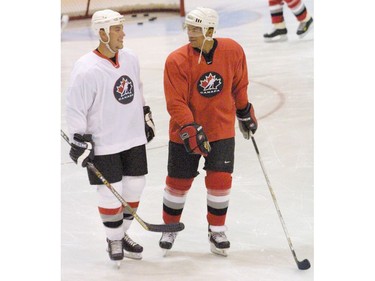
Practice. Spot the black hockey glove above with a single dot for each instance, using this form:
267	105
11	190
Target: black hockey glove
149	124
195	140
82	149
247	121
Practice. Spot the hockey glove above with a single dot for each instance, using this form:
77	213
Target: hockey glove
149	124
247	121
195	140
82	149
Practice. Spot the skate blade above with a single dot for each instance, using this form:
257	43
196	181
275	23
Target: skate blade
217	251
133	256
165	252
117	264
278	38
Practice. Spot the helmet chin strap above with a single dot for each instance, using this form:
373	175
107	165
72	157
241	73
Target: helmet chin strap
204	41
107	44
109	48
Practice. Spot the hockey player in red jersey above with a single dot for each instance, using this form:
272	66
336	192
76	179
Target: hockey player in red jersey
205	85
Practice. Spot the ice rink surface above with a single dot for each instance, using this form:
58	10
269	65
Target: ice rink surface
282	92
323	177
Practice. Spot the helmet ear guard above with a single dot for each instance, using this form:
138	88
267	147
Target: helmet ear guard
205	18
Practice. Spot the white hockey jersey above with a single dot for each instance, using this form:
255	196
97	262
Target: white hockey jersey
106	100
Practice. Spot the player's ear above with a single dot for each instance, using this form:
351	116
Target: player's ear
103	35
210	32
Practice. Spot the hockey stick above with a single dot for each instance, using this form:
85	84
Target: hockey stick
302	265
174	227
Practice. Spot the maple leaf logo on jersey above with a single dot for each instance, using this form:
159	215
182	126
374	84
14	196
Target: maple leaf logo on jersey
210	84
124	89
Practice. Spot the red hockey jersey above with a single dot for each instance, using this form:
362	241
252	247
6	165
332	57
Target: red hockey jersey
207	94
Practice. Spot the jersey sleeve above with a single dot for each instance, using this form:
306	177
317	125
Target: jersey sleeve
79	98
140	83
176	89
240	81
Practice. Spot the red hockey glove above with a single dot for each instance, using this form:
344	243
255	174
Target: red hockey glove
247	121
195	140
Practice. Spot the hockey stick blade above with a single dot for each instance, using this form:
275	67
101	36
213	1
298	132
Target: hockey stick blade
303	265
174	227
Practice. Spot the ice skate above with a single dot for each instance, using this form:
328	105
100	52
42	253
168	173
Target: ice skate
219	243
276	35
166	241
115	251
132	250
304	28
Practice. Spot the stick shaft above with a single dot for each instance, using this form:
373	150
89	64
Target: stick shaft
274	199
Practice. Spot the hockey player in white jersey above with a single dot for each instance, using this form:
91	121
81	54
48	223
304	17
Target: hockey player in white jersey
109	125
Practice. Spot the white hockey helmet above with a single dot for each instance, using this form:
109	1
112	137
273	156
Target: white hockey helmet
105	19
203	17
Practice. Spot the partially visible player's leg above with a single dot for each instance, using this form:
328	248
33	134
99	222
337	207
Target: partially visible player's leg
279	31
299	9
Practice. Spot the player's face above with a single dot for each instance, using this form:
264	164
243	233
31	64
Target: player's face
195	36
116	34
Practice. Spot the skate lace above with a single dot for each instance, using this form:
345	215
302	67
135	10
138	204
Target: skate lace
129	241
169	236
116	246
219	237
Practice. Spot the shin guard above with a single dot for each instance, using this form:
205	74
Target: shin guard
218	186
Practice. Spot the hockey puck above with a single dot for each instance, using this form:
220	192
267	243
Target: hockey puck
139	23
134	15
145	15
152	19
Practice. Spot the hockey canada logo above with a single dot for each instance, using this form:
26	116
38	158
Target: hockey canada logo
210	84
124	90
